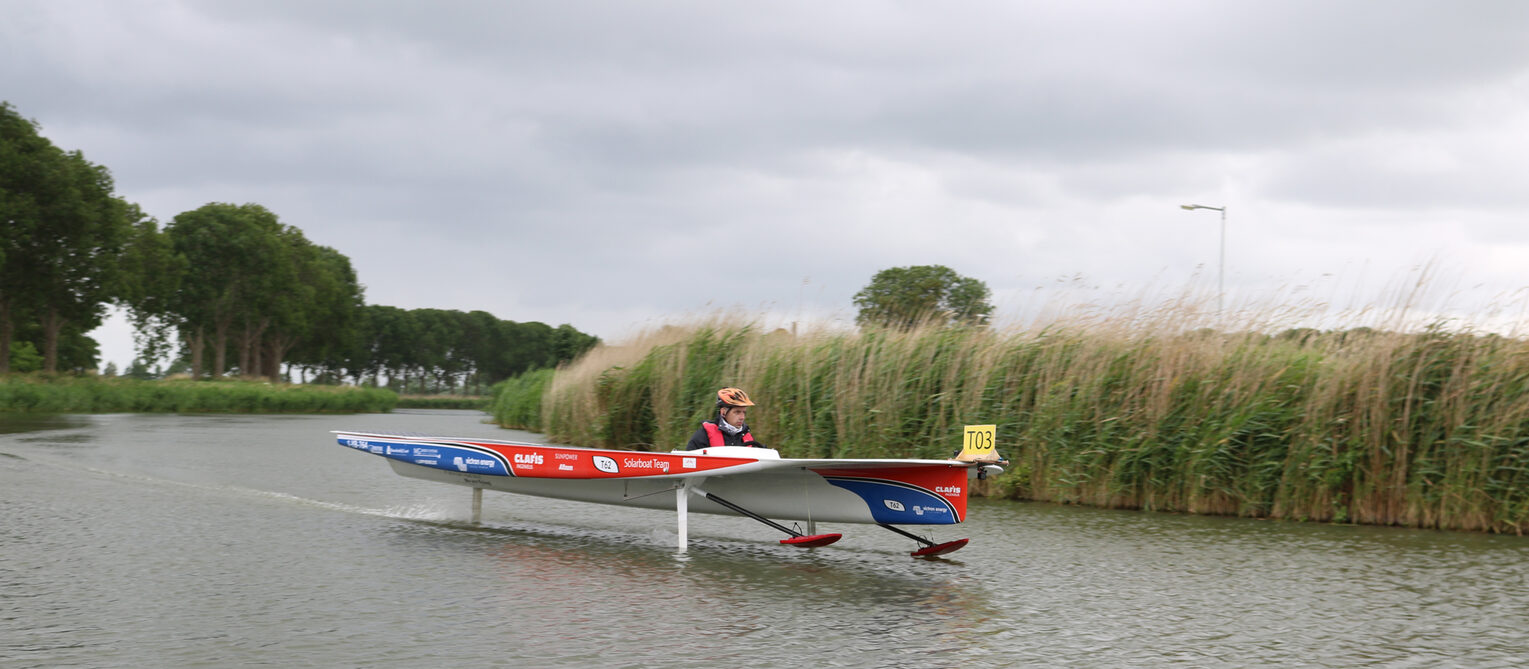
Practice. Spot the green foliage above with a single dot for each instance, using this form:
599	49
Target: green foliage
439	350
907	297
315	322
74	351
150	285
1424	430
25	358
462	402
102	395
248	284
141	371
61	234
517	401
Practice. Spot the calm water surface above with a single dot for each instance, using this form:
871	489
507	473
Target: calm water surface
155	540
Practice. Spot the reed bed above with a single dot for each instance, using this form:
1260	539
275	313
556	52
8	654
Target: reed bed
101	395
1423	429
517	402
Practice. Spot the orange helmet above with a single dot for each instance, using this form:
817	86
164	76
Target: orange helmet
733	397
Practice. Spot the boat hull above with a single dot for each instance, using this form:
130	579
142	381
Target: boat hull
794	495
907	492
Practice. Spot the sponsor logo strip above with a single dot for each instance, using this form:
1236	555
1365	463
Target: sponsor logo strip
450	456
896	502
533	460
587	463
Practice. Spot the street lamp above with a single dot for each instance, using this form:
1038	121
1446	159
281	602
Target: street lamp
1220	270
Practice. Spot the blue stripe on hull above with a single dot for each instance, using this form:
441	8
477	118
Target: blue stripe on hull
897	503
439	455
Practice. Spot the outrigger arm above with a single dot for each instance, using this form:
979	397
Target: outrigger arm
930	548
692	487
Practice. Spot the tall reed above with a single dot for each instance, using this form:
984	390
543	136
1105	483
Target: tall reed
517	402
1424	429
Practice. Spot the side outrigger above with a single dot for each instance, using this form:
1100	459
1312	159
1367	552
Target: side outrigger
754	482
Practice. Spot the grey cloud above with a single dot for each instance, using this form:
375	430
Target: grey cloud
629	149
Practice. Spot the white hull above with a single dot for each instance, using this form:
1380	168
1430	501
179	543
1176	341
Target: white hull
795	494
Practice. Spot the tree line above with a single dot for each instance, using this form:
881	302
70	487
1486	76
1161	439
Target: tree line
226	288
434	350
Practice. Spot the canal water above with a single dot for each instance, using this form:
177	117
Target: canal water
213	541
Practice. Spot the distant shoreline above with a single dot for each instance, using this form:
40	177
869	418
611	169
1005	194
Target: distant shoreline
67	394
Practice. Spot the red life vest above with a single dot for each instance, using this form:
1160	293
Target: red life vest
715	436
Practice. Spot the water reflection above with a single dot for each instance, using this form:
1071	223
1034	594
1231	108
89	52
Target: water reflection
14	423
721	601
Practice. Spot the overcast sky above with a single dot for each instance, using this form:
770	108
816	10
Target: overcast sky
618	165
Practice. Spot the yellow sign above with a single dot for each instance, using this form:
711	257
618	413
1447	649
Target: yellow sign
980	442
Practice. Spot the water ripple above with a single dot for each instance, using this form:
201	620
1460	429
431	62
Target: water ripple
199	541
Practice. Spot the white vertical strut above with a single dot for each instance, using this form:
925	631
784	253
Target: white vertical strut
477	505
812	525
682	509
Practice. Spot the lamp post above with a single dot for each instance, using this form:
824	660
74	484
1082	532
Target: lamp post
1220	269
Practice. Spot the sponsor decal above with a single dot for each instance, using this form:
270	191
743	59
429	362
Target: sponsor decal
565	468
642	463
952	490
605	464
440	456
891	501
462	463
687	463
471	461
566	456
528	458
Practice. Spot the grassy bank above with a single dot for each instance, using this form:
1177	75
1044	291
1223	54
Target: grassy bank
117	395
473	402
1427	430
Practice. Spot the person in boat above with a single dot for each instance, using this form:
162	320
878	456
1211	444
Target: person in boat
727	427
